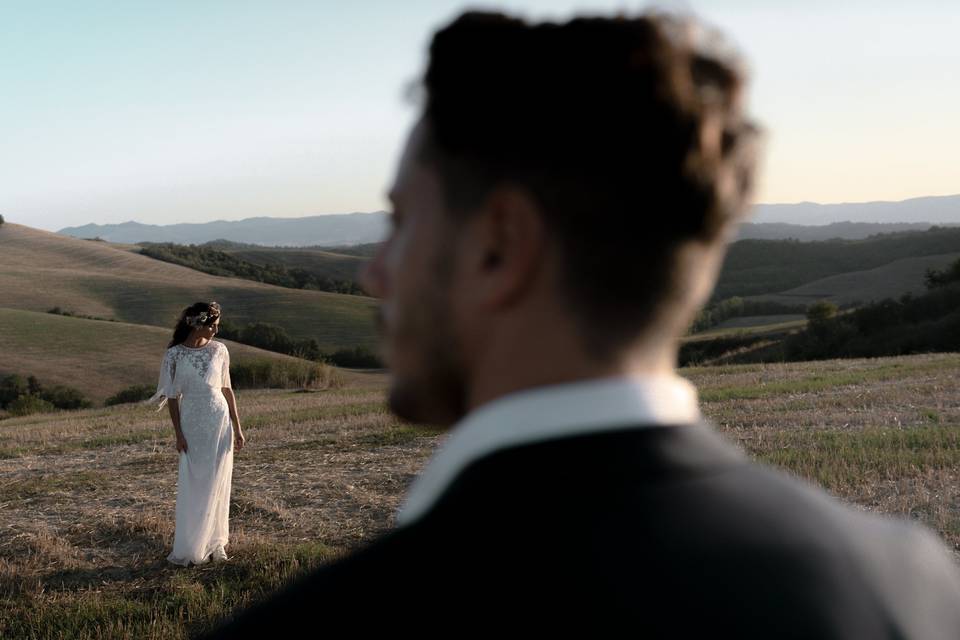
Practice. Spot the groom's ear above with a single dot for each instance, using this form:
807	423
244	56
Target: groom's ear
505	248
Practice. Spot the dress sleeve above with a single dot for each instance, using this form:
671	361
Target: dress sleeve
225	369
166	387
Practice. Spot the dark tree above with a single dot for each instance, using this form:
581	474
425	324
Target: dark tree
11	388
821	311
940	278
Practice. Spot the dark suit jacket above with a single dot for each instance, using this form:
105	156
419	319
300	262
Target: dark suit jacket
651	532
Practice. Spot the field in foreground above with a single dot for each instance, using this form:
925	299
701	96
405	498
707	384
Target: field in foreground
88	497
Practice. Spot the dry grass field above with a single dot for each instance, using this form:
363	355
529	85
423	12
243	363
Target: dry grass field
88	497
40	270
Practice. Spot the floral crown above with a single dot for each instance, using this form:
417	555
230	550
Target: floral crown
203	317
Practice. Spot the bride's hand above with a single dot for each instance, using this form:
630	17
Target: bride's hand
181	443
238	439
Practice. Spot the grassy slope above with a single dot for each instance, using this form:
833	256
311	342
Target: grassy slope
315	261
99	358
759	327
750	325
757	267
89	495
889	281
40	270
746	322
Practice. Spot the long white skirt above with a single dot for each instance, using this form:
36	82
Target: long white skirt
204	479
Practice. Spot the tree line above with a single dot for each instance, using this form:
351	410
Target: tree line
755	267
925	323
220	263
275	338
21	396
929	322
736	307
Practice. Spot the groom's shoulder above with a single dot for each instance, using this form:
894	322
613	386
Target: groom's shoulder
626	531
768	591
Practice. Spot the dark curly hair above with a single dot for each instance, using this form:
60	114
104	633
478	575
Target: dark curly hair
182	330
630	136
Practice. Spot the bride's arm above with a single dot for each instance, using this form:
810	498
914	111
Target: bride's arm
173	404
234	415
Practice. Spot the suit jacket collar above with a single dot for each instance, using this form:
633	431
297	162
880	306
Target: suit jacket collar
546	413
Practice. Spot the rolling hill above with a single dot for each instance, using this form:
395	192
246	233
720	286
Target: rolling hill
318	261
891	280
40	270
96	357
756	267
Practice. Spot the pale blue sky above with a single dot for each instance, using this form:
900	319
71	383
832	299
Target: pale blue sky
194	111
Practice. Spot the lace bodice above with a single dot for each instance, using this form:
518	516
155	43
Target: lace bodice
187	371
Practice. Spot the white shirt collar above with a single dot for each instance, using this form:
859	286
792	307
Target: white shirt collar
547	412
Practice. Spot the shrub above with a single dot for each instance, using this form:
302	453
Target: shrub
135	393
308	349
15	387
821	311
11	388
698	352
272	338
66	312
266	336
274	374
934	278
63	397
356	358
25	405
1	220
211	260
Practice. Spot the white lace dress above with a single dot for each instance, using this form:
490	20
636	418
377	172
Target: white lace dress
196	376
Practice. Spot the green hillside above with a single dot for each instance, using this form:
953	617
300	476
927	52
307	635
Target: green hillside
789	271
332	262
40	270
749	326
96	357
756	267
362	250
891	280
316	261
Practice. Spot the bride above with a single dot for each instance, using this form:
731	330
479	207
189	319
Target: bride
197	368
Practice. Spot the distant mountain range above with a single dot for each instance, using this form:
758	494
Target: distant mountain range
805	221
933	209
328	230
833	231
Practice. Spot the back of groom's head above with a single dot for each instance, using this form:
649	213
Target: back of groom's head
602	160
630	139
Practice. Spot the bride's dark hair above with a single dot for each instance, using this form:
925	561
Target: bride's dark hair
183	329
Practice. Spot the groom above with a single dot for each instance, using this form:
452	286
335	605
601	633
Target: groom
561	211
